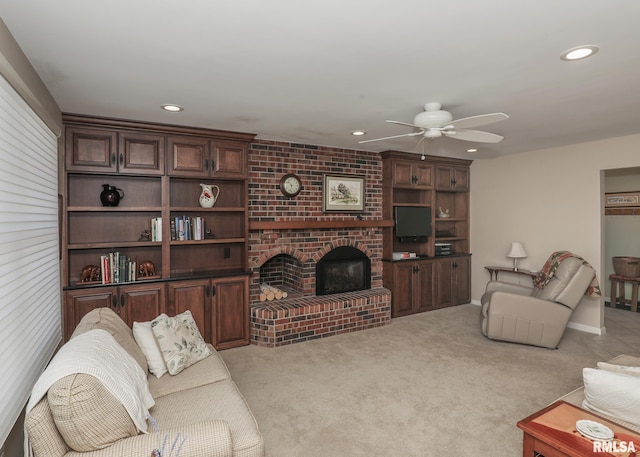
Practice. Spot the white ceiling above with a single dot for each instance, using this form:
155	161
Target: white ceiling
311	72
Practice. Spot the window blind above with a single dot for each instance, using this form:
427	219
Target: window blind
30	311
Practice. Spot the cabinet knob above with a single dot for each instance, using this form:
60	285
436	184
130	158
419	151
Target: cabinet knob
121	159
113	158
207	291
114	301
206	165
122	300
213	290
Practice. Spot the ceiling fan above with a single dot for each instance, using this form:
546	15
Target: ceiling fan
434	122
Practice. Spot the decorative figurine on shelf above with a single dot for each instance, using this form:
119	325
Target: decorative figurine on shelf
90	273
146	268
145	235
209	235
207	197
111	195
443	213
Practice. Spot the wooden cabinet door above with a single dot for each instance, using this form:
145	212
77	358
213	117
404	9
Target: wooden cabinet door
79	302
412	175
141	302
424	297
403	289
141	153
91	150
402	174
461	179
230	312
444	292
423	176
461	280
228	160
188	156
452	178
194	296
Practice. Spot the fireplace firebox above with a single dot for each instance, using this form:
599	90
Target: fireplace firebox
343	269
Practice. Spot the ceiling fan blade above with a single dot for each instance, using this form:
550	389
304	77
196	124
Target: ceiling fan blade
473	135
477	121
390	137
404	123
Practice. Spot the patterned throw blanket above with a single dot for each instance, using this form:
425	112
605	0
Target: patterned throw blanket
551	265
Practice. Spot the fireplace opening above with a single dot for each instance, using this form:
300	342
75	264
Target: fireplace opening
344	269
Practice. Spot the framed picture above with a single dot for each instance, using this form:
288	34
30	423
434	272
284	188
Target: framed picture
620	199
343	193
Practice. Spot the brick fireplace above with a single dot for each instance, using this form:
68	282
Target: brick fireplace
290	236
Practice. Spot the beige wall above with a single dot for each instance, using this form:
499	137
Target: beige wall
548	200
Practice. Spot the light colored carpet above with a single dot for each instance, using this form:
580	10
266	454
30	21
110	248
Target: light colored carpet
426	385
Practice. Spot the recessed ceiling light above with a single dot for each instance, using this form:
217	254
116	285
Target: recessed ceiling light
472	150
358	133
579	52
172	108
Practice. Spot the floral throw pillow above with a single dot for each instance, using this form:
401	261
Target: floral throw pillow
180	341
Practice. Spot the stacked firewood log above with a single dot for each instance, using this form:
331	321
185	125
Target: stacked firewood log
268	293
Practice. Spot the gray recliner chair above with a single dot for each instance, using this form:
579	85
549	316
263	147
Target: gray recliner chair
530	315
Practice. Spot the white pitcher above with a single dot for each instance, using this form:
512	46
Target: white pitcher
208	197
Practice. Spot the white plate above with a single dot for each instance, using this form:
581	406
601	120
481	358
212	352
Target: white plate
594	430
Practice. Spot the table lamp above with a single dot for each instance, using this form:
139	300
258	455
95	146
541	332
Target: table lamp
516	252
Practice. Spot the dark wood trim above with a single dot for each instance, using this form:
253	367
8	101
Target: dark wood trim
622	211
331	224
121	124
427	158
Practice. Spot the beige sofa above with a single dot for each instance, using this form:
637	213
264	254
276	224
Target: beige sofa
200	408
577	397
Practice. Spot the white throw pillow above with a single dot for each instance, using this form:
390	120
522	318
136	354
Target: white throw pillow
180	341
147	341
613	394
624	369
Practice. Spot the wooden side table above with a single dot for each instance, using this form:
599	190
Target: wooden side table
493	271
617	291
551	432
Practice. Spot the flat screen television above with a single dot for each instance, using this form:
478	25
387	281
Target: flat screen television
413	222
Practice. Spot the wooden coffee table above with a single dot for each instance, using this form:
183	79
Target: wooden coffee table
551	432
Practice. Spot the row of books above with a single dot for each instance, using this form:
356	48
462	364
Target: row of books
116	267
187	228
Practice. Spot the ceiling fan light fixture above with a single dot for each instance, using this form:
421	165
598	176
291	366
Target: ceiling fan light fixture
579	52
472	150
432	133
358	133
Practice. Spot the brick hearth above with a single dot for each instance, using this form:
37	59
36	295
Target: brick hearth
305	318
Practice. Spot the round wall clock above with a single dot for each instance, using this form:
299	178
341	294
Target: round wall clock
290	185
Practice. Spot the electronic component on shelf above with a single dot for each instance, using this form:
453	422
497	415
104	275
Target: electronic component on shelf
443	249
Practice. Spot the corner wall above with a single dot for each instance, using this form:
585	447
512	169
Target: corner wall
549	200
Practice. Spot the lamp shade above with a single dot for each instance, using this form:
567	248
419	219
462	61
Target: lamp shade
516	251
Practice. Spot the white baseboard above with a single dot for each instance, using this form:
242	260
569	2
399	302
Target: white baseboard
588	328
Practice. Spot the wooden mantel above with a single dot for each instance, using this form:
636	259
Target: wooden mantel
316	224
